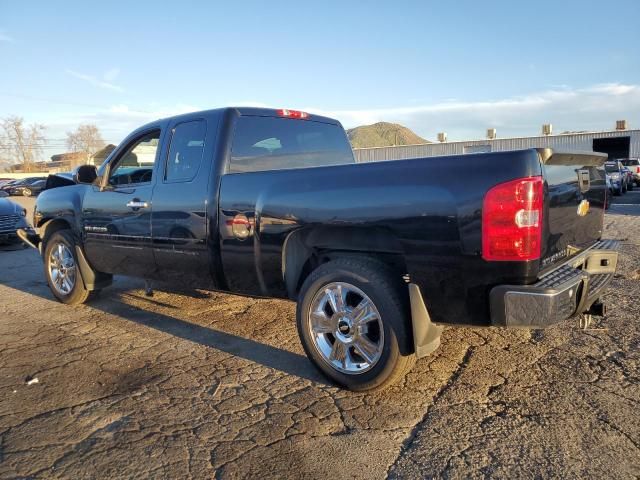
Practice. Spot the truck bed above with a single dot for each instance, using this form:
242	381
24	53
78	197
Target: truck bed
420	209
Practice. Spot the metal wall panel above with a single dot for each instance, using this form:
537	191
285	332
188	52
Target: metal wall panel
573	141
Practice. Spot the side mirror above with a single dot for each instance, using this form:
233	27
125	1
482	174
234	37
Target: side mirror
85	174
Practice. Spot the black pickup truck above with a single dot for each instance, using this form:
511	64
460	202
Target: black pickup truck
379	256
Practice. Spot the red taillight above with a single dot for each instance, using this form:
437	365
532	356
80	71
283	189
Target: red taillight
637	169
512	220
292	114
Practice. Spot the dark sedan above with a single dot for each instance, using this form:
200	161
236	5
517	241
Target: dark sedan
29	189
12	217
12	187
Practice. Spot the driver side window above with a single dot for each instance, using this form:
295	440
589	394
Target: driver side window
135	165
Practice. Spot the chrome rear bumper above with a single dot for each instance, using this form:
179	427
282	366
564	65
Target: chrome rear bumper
569	290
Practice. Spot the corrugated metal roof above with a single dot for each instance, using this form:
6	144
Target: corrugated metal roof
567	141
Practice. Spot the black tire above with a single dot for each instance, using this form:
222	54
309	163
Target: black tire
380	285
78	294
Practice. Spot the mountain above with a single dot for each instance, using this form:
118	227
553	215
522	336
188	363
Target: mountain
382	134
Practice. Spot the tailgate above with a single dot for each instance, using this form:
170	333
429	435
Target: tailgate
574	206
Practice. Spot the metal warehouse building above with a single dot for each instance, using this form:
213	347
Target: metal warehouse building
616	143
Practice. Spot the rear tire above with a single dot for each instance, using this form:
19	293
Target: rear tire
62	269
354	325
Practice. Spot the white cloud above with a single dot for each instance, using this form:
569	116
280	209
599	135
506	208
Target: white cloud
591	108
115	122
96	82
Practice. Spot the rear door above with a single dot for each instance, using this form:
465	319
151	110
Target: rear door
179	220
574	206
117	215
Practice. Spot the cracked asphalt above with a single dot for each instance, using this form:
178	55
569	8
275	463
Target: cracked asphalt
202	385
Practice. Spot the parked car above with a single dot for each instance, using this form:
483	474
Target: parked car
379	256
6	186
16	187
633	164
630	180
29	189
12	217
617	177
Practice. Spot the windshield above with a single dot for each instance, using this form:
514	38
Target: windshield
611	168
630	162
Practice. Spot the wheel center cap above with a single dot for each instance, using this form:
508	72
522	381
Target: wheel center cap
345	328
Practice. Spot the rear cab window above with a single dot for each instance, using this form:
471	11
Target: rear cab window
274	143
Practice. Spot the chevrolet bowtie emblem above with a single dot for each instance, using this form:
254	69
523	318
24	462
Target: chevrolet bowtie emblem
583	208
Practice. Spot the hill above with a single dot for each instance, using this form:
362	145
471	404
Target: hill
382	134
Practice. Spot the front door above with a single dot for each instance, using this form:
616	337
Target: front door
117	214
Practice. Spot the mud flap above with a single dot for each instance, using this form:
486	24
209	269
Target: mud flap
92	280
29	236
426	334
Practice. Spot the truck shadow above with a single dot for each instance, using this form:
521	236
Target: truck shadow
112	301
266	355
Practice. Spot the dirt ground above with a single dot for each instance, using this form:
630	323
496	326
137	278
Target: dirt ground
202	385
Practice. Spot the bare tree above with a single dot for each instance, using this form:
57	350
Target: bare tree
20	143
86	139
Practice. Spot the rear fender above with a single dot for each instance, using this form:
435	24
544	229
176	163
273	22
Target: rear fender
305	248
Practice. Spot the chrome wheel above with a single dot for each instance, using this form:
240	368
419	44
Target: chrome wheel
26	192
346	328
62	269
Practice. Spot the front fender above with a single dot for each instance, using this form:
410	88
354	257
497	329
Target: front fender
59	206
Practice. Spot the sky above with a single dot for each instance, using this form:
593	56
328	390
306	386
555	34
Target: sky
458	67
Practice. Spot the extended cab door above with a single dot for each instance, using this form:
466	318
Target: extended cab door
181	209
116	214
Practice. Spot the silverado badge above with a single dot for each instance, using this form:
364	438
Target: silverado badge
583	208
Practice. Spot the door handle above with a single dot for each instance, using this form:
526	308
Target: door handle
135	204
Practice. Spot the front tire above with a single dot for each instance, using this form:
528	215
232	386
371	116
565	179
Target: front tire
354	325
62	269
26	192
